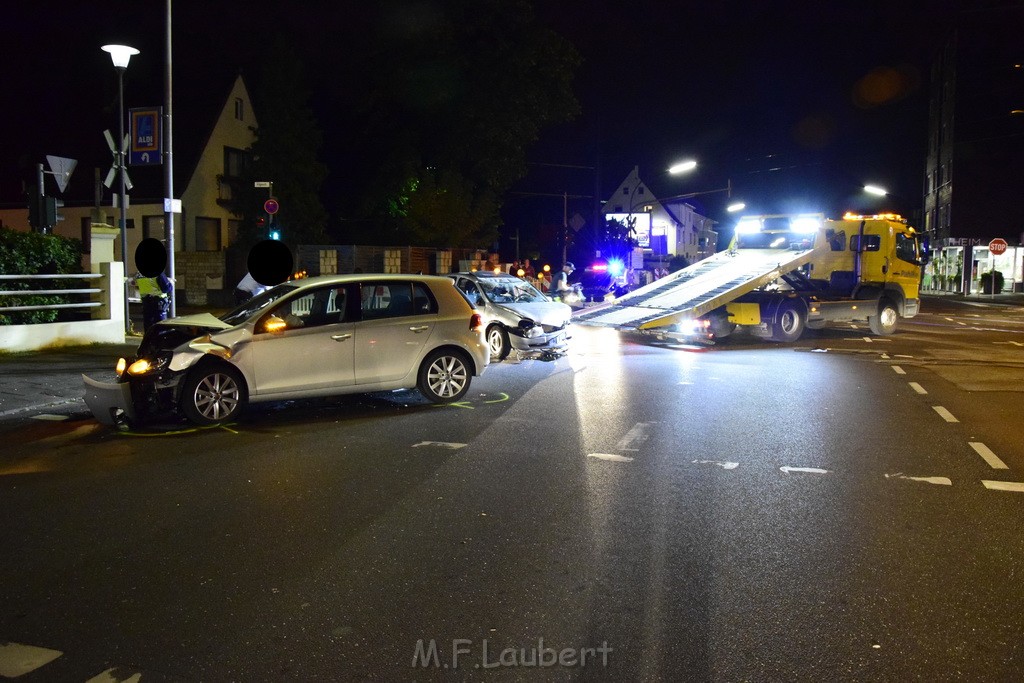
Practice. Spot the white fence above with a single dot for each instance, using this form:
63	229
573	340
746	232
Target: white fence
106	305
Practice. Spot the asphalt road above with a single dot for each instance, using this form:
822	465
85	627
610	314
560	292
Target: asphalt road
745	512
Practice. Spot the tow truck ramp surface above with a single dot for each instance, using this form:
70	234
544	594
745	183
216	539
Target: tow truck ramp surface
696	290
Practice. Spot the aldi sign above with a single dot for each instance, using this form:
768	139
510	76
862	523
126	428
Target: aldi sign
145	146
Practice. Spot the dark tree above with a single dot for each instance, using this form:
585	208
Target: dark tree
288	141
446	98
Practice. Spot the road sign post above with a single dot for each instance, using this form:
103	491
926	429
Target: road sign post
995	248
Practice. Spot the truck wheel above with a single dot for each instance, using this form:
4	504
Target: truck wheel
789	322
884	323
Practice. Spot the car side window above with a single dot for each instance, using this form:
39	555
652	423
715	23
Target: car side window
396	300
324	306
468	288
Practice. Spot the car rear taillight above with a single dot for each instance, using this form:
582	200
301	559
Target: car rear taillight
476	322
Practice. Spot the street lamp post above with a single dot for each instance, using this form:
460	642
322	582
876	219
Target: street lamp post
120	55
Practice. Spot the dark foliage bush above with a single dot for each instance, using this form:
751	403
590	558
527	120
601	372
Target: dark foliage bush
30	253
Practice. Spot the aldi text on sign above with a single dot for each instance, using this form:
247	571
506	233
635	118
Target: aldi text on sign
145	146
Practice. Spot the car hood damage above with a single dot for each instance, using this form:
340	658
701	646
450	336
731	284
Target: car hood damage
543	313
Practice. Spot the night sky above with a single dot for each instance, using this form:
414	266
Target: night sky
798	104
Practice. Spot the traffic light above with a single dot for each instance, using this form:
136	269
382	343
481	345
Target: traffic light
49	211
35	208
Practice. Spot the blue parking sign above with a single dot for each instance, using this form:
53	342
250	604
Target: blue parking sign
145	147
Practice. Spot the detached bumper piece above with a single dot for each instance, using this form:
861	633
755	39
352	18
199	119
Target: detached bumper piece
552	348
109	402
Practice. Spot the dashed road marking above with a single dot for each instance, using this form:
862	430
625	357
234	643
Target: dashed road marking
723	465
440	444
917	387
986	453
1015	486
17	660
116	675
786	469
944	414
940	481
50	417
610	457
898	370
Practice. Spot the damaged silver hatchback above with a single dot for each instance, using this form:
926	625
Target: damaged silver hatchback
322	336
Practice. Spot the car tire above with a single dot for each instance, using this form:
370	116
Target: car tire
789	321
498	343
213	393
444	376
885	322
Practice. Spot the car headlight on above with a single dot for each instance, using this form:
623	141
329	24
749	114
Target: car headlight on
144	366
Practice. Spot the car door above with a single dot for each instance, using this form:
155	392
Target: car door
305	345
397	320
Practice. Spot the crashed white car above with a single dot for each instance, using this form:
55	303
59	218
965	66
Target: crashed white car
321	336
517	316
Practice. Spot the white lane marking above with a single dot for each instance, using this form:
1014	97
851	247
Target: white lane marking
440	444
109	676
942	481
1004	485
18	660
961	323
917	387
986	453
786	469
723	465
635	437
610	457
885	356
898	370
950	320
902	355
49	417
945	414
1015	343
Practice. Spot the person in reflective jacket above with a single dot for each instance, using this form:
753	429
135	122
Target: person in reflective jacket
155	294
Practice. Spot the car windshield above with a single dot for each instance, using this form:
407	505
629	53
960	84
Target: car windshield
257	303
511	290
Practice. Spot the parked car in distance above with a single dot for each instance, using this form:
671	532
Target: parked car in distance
517	316
321	336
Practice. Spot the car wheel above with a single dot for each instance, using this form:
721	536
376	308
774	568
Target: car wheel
444	376
789	322
884	323
497	341
213	393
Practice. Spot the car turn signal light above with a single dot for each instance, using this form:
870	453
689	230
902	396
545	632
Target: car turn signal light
476	322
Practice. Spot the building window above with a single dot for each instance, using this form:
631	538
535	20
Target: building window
207	234
236	161
153	226
233	227
239	109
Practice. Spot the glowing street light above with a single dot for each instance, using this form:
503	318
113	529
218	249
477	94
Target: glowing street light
876	190
120	55
682	167
735	206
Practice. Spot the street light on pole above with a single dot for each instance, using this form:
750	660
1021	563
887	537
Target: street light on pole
120	55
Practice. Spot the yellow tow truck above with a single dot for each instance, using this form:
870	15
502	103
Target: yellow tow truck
783	274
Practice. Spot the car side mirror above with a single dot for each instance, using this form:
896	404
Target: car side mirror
273	325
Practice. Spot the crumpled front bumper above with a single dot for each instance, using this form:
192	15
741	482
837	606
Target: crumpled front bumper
554	344
105	399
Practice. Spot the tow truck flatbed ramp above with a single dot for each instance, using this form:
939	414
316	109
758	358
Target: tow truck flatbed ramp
696	290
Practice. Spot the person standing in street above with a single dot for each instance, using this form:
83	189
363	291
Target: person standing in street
155	294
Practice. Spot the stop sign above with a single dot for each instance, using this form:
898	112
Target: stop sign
997	246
